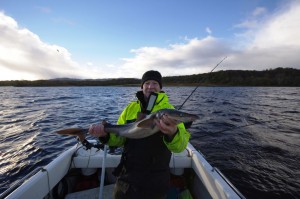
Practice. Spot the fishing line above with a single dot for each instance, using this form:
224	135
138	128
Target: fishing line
200	82
242	126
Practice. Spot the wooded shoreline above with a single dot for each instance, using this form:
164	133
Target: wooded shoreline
288	77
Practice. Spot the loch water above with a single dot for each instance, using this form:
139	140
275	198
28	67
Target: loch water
252	134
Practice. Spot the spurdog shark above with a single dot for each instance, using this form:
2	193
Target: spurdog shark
139	129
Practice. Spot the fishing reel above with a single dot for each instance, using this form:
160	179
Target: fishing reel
89	145
112	150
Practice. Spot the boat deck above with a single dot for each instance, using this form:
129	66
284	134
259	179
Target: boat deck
93	193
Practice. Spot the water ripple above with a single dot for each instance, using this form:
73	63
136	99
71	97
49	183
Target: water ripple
251	134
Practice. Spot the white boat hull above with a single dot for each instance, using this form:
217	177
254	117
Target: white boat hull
208	183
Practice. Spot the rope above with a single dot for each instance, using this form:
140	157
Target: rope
102	173
48	180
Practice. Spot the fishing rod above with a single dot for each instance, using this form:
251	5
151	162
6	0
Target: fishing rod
199	83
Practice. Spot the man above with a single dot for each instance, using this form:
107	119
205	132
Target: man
144	168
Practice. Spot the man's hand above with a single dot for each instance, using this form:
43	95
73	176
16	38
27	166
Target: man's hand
166	125
97	130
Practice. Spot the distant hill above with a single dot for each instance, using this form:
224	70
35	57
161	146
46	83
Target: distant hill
271	77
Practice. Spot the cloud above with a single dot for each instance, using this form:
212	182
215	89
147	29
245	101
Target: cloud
282	29
24	56
259	11
43	9
275	41
193	56
266	41
208	30
252	21
261	41
89	63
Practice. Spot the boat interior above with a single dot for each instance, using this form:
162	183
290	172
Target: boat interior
78	173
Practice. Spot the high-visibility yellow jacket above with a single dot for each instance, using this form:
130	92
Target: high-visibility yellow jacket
129	114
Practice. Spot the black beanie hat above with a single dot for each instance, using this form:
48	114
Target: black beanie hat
152	75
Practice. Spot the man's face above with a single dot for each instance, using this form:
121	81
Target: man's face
150	86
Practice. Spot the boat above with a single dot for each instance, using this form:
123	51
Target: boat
86	172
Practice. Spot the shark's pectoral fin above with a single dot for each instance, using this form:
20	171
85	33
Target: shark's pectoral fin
74	132
146	124
69	131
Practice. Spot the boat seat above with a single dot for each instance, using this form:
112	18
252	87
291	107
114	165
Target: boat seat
93	159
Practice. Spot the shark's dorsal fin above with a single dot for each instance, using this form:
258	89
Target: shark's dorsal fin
146	123
140	116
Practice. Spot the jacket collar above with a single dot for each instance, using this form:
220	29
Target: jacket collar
147	105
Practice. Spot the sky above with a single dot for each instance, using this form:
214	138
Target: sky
98	39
